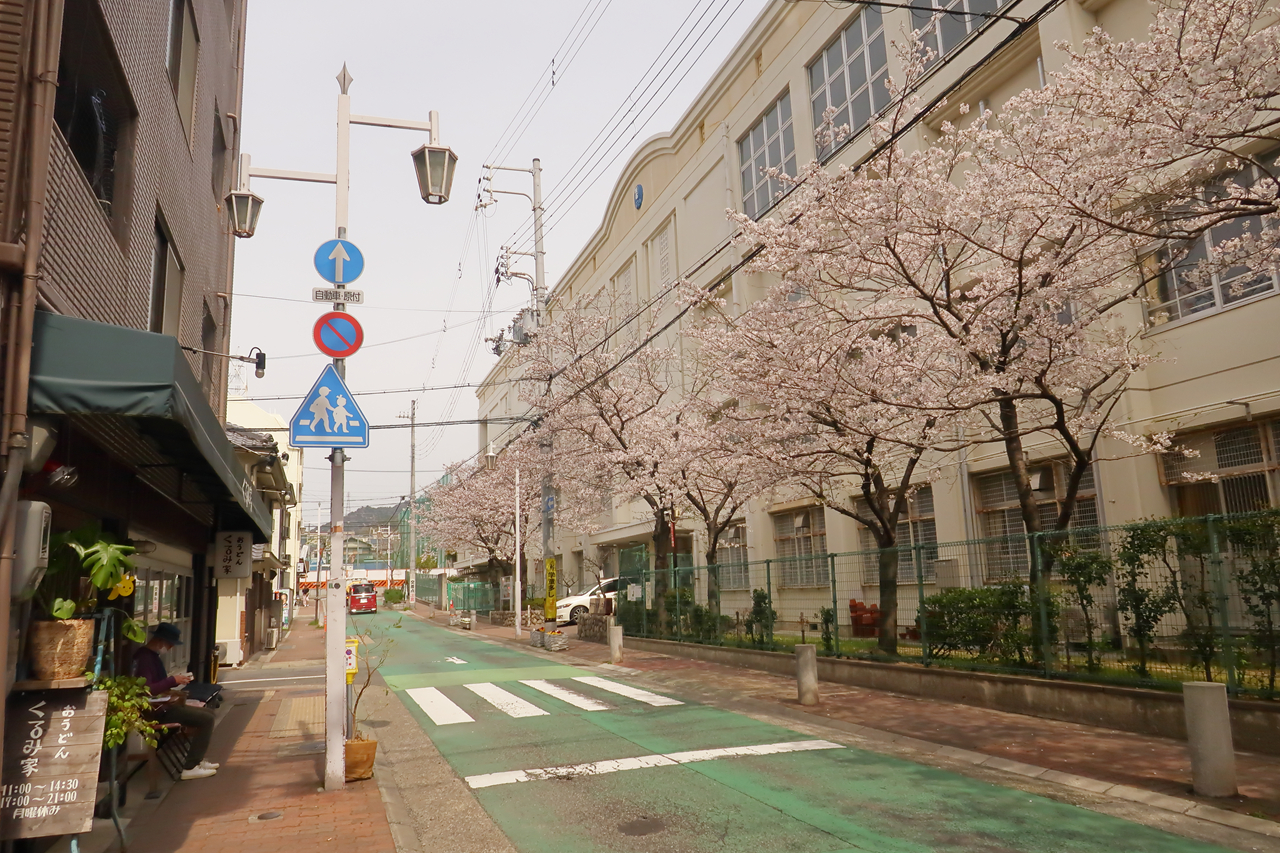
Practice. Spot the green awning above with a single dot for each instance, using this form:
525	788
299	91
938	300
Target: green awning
79	367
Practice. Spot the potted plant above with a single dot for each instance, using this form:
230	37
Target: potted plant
60	645
361	750
128	707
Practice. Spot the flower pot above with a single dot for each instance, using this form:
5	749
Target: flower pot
537	638
60	648
359	755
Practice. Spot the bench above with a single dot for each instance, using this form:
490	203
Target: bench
169	754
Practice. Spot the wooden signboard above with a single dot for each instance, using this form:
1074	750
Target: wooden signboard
52	747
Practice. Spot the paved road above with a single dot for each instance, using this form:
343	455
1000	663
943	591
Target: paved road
567	759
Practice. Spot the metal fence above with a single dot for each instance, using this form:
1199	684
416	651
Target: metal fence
1153	603
472	595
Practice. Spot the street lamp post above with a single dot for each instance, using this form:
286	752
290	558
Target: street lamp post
244	208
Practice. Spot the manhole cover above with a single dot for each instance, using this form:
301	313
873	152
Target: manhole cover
269	815
642	826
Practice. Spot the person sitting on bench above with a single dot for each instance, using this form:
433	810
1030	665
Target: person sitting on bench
192	714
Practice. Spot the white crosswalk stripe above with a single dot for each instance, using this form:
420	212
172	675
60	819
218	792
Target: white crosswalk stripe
627	690
507	703
438	707
577	700
444	711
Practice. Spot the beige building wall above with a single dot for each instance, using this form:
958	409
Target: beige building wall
1214	362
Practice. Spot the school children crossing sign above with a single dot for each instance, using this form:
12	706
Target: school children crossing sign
329	416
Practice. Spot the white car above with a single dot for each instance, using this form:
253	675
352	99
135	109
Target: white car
570	608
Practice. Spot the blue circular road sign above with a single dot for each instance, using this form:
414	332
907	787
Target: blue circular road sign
339	261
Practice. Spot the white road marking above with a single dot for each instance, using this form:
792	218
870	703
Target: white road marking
455	660
595	768
627	690
256	680
577	700
438	707
507	703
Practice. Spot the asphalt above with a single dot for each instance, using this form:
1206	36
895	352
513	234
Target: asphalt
824	800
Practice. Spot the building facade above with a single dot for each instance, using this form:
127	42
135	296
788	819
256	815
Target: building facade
1213	386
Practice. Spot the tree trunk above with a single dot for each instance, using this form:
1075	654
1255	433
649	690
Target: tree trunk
888	621
661	561
713	587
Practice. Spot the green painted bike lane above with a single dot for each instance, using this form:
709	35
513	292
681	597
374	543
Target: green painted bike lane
827	801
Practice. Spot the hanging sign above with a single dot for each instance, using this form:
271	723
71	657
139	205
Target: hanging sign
549	603
233	554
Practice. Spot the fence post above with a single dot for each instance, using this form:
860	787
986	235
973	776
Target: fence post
1042	594
675	584
835	611
768	594
1220	592
917	557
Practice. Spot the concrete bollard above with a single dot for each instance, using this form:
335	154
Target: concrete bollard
615	644
1213	757
807	673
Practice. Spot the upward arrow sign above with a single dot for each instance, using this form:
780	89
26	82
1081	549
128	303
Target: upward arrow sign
338	255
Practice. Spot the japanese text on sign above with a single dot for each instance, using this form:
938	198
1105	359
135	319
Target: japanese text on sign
53	741
233	554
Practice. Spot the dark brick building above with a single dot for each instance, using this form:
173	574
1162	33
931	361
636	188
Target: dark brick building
113	227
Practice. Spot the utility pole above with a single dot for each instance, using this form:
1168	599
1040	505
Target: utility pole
411	576
540	305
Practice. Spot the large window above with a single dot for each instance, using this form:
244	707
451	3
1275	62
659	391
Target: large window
731	555
917	542
183	52
1242	462
770	144
92	107
1000	516
1193	285
166	285
942	32
851	75
800	541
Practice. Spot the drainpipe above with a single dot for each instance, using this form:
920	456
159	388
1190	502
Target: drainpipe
46	41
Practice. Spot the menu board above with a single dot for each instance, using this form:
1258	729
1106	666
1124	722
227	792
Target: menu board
52	747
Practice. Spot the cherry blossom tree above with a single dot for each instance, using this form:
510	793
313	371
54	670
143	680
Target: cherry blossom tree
600	397
474	508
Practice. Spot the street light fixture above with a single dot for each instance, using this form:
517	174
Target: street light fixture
435	165
243	207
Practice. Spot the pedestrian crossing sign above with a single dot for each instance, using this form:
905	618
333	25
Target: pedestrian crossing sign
329	416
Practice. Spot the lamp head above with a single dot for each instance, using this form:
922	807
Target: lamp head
244	208
434	165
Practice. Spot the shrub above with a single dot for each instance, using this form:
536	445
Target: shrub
985	622
393	595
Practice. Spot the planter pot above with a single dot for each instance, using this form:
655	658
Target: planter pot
60	648
556	642
359	756
537	639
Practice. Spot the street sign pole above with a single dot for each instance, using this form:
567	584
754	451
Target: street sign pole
335	694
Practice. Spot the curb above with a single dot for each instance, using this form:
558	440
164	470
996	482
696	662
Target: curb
1176	805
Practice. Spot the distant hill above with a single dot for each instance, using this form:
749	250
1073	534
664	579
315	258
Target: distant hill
360	520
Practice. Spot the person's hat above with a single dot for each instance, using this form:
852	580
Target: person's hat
168	632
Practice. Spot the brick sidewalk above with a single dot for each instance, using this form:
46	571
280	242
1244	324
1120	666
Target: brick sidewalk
262	775
1156	764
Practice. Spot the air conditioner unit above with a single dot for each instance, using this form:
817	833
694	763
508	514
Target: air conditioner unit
273	637
220	651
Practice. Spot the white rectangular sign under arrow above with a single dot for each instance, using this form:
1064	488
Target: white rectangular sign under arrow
349	297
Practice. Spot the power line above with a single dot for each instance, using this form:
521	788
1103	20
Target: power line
420	389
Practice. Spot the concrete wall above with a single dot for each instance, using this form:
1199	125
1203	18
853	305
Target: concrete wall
1255	725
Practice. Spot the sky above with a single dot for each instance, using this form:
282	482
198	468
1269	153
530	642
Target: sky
624	71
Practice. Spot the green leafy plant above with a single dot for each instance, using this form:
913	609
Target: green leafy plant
1084	572
828	617
1142	602
65	591
992	622
1256	540
128	707
393	595
760	620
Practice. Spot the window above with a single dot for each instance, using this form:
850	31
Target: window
92	107
1241	457
800	540
768	145
1181	289
1000	517
662	259
166	285
731	554
218	161
184	50
918	530
850	75
209	373
941	32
